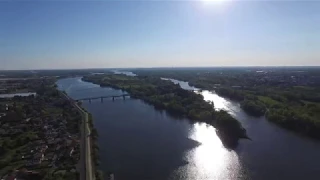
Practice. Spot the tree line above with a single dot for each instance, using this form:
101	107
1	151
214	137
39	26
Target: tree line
171	97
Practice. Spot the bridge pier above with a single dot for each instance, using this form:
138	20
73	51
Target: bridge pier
124	97
101	99
112	98
89	100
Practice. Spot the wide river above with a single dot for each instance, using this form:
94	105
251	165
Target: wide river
141	143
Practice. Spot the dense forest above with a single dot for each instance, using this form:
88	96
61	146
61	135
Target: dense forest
287	97
166	95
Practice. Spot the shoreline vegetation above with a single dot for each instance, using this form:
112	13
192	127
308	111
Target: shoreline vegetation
290	99
94	148
285	109
172	98
98	174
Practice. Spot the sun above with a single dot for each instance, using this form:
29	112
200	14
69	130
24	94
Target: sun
220	4
215	6
214	1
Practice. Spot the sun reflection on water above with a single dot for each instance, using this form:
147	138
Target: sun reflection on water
219	102
210	160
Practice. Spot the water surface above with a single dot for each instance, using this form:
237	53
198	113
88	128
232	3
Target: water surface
274	152
138	142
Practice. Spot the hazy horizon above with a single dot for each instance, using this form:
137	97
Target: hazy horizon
172	34
161	67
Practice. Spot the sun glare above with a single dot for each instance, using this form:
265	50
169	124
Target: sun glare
216	5
214	1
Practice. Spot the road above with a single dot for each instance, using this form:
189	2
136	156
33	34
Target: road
87	143
85	164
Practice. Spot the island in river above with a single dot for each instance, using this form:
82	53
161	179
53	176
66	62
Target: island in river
177	101
288	97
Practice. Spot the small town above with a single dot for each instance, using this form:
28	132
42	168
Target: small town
39	132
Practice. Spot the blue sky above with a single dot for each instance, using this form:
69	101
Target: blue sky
105	34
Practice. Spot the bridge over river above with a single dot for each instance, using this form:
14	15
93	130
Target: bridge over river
104	97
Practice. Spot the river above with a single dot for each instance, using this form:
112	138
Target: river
139	142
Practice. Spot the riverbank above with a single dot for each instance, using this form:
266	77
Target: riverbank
166	95
136	141
89	160
287	108
293	107
281	107
98	174
85	165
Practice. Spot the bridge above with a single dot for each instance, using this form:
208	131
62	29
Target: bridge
104	97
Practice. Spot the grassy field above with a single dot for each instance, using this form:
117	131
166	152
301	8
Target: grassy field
269	102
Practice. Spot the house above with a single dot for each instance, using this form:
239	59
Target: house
2	115
36	160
